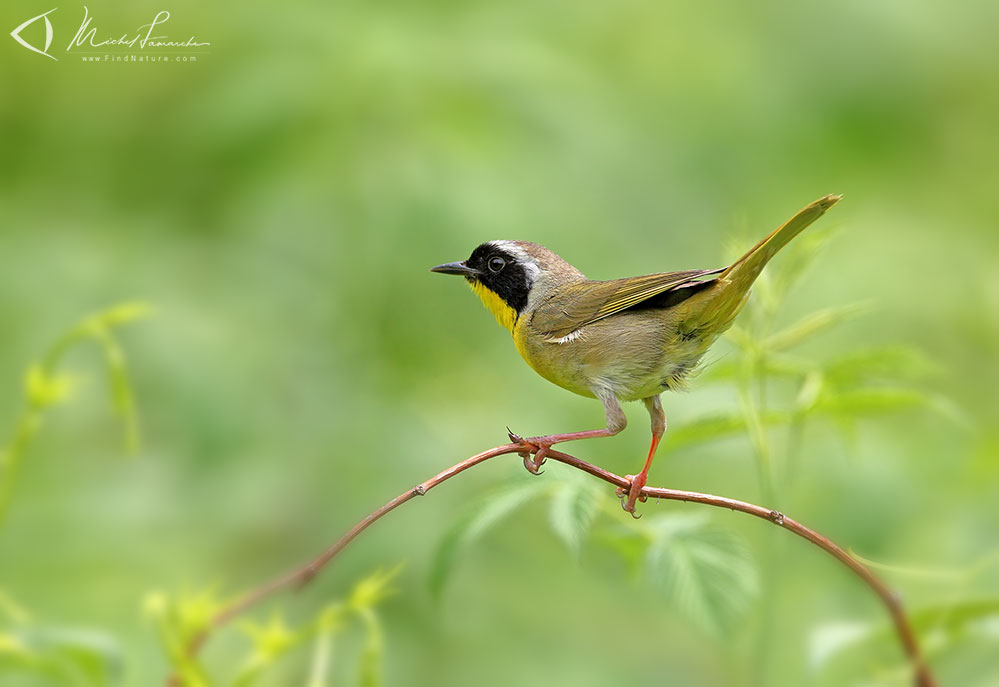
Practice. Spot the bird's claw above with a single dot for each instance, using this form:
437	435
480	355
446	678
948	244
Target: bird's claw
514	438
636	515
630	495
533	453
533	464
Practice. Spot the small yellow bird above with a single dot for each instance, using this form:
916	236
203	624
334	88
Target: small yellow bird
620	340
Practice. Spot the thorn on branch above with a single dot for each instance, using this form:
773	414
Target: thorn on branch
776	517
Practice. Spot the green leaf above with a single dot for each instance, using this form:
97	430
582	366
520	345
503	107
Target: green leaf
707	573
373	589
84	655
941	627
44	390
877	400
813	324
270	642
717	427
574	506
45	387
772	364
476	522
888	364
956	616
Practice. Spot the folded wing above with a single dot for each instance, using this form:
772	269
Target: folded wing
583	303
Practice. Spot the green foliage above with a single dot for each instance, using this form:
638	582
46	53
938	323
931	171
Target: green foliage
479	518
948	628
37	653
43	654
45	386
705	573
29	649
181	621
706	570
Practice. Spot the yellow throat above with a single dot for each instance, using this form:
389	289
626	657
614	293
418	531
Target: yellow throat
505	315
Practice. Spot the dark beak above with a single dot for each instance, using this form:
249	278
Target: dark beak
456	268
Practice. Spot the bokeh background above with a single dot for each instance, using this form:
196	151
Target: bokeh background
278	204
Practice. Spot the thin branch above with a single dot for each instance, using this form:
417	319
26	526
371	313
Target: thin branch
301	576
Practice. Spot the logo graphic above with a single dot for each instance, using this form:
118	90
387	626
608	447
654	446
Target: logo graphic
16	34
147	43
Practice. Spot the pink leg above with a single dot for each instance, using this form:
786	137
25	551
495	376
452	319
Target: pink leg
538	446
550	440
639	481
658	428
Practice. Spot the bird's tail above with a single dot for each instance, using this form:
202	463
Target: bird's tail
719	305
746	269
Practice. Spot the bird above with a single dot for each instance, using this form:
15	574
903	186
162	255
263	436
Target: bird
619	340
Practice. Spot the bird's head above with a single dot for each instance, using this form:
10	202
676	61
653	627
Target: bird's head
511	276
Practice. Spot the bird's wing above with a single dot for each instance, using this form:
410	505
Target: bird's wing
579	304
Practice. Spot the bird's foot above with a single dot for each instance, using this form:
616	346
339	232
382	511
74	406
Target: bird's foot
534	451
633	494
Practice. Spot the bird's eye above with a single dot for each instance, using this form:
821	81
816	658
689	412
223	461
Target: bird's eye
496	263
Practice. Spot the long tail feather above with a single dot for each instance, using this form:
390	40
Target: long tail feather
746	269
714	309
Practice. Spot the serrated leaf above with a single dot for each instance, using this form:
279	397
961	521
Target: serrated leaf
476	522
707	573
573	508
813	324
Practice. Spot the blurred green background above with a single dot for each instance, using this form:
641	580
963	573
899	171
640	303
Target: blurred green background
279	202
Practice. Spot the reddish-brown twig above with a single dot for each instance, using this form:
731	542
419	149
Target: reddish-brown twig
301	576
